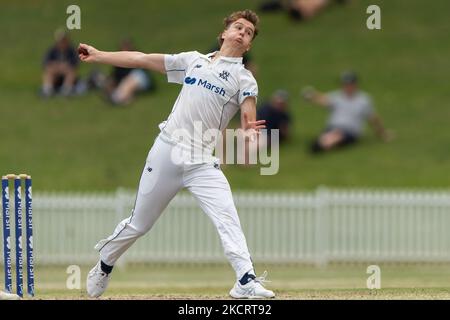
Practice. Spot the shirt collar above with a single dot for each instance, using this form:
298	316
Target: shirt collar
229	59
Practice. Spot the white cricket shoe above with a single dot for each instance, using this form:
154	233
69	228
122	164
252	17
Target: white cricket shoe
97	281
252	290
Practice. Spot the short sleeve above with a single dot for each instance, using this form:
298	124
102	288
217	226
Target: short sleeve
177	64
247	86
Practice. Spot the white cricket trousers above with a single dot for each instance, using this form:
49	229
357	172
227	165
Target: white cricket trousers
161	179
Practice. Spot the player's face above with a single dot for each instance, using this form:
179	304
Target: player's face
240	34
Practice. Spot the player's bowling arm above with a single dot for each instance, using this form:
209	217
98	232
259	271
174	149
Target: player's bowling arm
248	111
248	116
134	59
124	59
152	61
250	125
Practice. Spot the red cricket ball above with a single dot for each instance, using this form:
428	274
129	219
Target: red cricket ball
83	51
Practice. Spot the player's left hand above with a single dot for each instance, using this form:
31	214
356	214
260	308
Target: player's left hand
252	128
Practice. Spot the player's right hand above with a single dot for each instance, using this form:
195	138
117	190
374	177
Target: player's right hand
252	128
87	53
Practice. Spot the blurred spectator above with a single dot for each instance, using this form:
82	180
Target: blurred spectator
298	9
123	84
60	67
276	114
350	108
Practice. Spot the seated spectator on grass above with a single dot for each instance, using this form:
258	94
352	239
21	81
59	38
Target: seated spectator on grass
298	9
60	67
123	84
350	108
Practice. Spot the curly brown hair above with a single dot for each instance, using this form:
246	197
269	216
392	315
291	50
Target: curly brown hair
248	15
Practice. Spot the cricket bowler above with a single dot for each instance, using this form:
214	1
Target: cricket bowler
214	87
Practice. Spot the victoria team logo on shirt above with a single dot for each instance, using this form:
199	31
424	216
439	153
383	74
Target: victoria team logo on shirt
224	75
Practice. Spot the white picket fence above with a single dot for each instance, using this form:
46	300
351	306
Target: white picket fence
281	227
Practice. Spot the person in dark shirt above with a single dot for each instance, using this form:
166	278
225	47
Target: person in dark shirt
60	67
276	114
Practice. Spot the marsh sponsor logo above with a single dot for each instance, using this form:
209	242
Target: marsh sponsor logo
248	94
8	243
213	88
189	80
30	242
6	193
8	270
19	193
205	84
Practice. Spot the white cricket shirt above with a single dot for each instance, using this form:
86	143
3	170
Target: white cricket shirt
211	95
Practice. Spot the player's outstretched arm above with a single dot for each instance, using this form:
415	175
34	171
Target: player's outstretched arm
124	59
250	126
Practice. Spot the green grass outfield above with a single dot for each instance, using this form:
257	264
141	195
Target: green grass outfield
289	282
85	144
